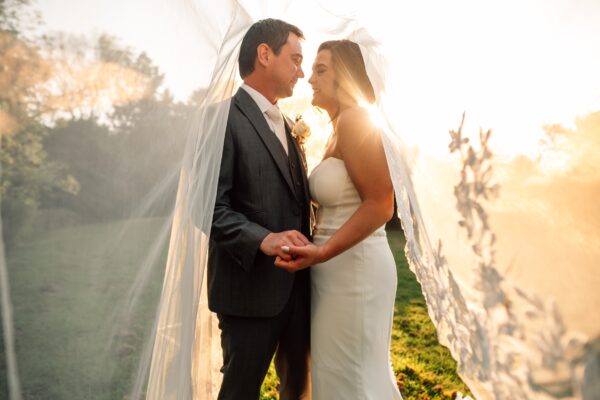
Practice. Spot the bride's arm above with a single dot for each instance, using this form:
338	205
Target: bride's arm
362	151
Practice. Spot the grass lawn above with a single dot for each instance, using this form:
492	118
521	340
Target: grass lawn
66	286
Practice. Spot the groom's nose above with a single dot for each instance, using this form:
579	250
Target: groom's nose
300	72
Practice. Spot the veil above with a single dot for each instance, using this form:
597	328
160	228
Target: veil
491	138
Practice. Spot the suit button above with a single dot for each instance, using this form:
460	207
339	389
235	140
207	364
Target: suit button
298	184
293	165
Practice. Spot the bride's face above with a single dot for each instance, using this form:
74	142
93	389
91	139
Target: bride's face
322	81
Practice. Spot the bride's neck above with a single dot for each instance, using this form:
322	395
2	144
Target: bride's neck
334	112
344	101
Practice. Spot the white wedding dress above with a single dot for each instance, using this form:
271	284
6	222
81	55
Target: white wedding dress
352	300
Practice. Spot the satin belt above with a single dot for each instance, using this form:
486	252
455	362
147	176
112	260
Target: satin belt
331	232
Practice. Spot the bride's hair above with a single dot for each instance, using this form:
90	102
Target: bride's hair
349	67
273	32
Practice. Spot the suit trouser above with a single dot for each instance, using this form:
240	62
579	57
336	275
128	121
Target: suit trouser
249	343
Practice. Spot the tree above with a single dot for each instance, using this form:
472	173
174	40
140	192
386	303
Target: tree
134	152
26	175
23	71
577	147
16	17
90	153
24	169
92	76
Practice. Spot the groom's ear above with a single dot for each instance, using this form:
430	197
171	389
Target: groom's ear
263	54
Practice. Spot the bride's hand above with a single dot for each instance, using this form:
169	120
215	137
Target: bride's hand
302	257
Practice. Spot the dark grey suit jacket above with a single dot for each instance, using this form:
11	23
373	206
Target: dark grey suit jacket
260	190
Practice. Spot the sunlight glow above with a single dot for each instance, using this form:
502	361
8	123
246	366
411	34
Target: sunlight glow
377	118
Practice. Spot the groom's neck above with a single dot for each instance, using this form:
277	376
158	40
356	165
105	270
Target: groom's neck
262	87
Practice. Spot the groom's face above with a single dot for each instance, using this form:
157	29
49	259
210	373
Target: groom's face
286	67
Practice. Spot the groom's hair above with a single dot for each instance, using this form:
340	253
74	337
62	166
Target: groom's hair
273	32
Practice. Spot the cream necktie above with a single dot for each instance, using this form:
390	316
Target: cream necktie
277	119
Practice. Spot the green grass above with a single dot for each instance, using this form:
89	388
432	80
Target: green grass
67	284
424	369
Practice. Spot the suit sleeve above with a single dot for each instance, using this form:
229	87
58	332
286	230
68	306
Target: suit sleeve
231	230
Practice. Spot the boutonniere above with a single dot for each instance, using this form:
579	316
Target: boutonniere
300	131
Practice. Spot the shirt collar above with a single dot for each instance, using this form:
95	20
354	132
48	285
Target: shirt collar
261	101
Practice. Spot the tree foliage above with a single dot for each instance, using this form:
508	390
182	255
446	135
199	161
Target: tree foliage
87	132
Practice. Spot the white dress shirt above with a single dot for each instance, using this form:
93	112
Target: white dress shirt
276	124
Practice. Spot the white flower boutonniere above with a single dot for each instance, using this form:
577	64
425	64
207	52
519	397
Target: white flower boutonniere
300	131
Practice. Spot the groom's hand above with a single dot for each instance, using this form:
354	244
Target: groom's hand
302	257
273	242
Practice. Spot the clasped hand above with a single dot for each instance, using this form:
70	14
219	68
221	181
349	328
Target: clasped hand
292	249
301	257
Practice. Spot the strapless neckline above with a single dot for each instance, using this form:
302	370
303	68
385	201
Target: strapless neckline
323	160
329	158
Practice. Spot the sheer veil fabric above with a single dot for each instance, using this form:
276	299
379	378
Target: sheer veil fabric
511	333
498	205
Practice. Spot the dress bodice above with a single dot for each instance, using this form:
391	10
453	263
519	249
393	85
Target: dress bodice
352	299
335	194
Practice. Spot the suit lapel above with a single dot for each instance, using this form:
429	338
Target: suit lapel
249	108
300	156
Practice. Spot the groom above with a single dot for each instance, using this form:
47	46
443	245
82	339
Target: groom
262	204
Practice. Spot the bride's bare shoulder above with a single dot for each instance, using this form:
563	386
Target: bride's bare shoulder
354	122
354	115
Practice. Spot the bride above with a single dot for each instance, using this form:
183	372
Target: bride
353	272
